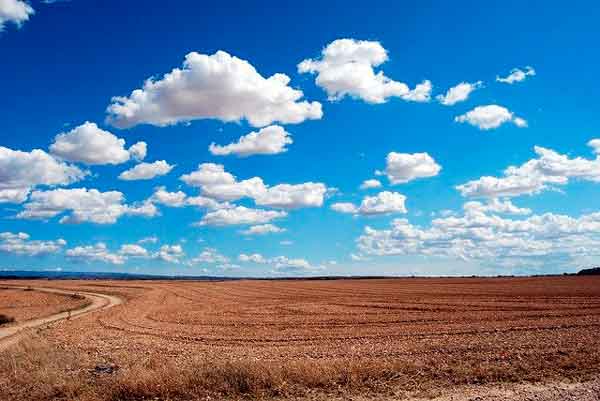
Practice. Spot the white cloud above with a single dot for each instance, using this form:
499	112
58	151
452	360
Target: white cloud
490	117
133	250
146	171
368	184
404	167
344	207
495	205
346	69
82	205
383	203
217	86
181	199
459	93
487	238
281	264
547	170
169	253
595	145
240	215
98	253
263	229
270	140
138	151
254	258
89	144
211	256
215	182
15	11
22	171
148	240
21	244
517	75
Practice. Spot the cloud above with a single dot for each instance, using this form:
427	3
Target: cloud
216	183
133	250
22	171
82	205
210	256
281	264
517	75
485	237
490	117
368	184
217	86
21	244
346	69
270	140
97	253
169	253
534	176
91	145
459	93
383	203
138	151
14	11
263	229
495	205
148	240
181	199
146	171
595	145
405	167
240	215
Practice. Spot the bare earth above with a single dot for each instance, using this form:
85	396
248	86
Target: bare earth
24	305
462	339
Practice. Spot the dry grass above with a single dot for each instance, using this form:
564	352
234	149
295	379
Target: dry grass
37	370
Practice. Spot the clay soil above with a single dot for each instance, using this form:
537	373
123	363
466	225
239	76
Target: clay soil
26	304
329	339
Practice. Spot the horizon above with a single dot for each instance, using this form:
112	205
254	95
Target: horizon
255	140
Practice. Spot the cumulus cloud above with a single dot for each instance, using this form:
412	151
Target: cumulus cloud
482	235
90	144
22	171
210	256
280	264
405	167
133	250
215	182
240	215
595	145
169	253
368	184
15	11
270	140
383	203
94	253
490	117
546	171
517	75
218	86
146	171
346	68
21	244
459	93
82	205
263	229
181	199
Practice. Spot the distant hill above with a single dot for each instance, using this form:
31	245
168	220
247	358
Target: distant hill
594	271
26	274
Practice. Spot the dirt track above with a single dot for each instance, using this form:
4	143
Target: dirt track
10	335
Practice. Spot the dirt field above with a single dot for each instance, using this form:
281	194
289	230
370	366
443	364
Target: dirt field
392	338
25	305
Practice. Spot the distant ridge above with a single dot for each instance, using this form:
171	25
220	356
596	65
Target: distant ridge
594	271
27	274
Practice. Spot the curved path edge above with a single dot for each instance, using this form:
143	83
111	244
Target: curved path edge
12	334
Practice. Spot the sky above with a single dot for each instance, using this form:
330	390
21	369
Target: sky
299	139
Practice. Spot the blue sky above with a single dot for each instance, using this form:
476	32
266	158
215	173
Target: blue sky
367	97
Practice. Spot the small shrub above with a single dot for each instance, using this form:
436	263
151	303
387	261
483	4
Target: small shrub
6	319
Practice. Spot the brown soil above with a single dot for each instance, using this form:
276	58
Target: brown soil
25	304
384	339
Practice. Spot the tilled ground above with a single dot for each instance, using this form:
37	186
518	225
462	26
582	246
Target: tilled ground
423	334
25	304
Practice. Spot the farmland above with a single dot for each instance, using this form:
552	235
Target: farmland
313	338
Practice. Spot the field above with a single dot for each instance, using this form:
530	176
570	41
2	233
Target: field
24	304
317	339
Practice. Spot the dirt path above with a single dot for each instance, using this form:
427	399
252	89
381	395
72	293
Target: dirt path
10	335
